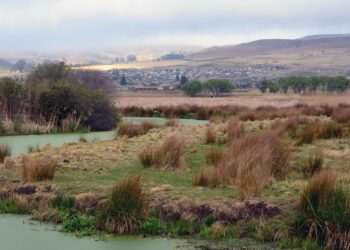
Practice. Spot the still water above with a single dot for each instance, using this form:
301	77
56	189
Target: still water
21	143
18	233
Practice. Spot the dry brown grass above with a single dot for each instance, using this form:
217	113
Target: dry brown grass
210	136
207	177
131	130
253	161
38	168
214	155
235	129
171	123
314	164
9	163
169	155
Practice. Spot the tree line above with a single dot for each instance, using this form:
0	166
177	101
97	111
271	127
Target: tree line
53	92
299	84
216	87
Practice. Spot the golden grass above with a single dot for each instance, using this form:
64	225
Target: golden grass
39	168
210	136
169	155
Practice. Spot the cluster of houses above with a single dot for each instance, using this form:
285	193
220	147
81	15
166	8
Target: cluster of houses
170	78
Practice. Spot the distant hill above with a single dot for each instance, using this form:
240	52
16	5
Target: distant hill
5	64
269	46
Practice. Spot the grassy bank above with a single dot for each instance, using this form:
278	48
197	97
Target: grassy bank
170	201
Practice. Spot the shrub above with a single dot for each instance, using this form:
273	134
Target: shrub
213	155
39	168
126	208
324	211
210	136
314	164
235	129
169	155
5	151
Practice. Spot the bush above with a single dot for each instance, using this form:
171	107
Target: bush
169	155
126	208
314	164
192	88
324	211
210	136
5	151
39	168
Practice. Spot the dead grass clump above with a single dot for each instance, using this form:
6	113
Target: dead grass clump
213	155
307	135
126	208
146	157
342	115
235	129
251	162
5	151
39	168
324	211
9	163
330	130
314	164
210	136
207	177
169	155
131	130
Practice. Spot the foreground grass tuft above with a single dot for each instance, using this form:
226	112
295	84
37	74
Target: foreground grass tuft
126	208
324	212
38	168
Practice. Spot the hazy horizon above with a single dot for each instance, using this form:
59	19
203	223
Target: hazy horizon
106	25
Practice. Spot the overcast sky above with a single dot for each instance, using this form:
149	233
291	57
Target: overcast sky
39	25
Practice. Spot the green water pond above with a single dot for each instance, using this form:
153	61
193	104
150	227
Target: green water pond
20	144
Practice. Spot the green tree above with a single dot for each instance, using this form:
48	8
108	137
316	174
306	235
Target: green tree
12	97
192	88
218	87
264	85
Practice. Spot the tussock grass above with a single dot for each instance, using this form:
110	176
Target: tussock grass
126	207
169	155
320	130
210	136
5	151
314	164
251	162
235	129
131	130
207	177
9	163
38	168
324	211
214	155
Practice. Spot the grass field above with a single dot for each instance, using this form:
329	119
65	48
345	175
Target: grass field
94	168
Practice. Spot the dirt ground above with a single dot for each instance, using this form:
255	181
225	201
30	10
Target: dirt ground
251	99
